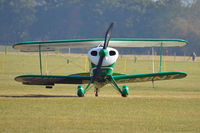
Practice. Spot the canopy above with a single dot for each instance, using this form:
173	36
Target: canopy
89	43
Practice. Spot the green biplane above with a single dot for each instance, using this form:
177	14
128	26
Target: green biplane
102	60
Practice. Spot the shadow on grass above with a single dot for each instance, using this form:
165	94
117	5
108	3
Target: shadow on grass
36	96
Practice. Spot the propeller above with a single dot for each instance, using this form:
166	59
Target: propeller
103	52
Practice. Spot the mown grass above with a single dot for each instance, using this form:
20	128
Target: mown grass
172	107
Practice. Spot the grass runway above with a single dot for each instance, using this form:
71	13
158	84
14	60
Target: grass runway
172	107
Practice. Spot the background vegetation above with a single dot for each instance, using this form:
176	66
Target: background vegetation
29	20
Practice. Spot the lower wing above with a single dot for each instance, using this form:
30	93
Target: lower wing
52	79
149	77
84	78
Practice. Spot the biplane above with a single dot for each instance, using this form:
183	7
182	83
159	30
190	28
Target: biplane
102	59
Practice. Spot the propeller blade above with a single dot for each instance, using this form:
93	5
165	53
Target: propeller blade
98	69
107	36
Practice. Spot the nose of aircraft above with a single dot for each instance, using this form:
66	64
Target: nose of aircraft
103	52
110	55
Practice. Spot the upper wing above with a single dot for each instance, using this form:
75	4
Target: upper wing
52	79
87	43
149	77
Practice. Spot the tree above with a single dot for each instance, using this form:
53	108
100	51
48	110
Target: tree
16	16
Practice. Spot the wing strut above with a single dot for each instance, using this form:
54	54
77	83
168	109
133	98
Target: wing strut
161	46
161	54
40	59
153	59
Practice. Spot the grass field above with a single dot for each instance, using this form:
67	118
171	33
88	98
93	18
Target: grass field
172	107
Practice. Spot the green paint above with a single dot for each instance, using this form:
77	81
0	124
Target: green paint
101	39
117	73
86	43
70	77
114	83
149	77
161	57
125	90
80	91
88	86
105	71
103	52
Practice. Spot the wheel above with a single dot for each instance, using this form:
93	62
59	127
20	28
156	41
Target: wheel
96	93
124	95
125	91
49	87
80	91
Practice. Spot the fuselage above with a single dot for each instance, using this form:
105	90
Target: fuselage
107	64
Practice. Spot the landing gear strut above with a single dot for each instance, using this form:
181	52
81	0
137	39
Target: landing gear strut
96	92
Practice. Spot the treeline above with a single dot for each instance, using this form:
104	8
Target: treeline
30	20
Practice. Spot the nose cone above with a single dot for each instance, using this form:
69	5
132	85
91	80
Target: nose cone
110	55
103	52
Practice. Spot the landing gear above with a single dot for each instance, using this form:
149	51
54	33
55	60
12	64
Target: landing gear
49	86
80	91
96	92
125	91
